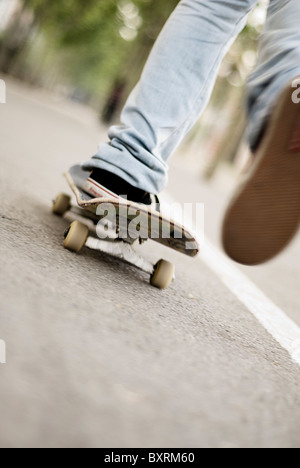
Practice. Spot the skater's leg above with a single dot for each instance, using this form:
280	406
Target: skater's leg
278	63
173	91
264	215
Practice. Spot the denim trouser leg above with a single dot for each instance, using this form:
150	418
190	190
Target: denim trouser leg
278	62
178	80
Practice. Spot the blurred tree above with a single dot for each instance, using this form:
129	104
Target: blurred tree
12	40
90	44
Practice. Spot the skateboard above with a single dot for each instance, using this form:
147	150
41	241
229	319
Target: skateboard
113	226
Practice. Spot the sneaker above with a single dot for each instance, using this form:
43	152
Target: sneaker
103	184
264	215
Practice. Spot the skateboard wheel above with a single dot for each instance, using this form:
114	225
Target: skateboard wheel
76	237
62	204
163	275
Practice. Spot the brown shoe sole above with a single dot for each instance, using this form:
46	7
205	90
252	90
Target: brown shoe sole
264	216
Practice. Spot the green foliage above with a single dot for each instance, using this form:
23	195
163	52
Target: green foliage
98	40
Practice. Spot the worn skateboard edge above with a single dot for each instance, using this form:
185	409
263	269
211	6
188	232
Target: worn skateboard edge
93	203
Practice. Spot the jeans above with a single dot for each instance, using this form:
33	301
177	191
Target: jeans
179	77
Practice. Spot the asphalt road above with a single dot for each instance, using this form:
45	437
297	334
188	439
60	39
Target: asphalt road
95	357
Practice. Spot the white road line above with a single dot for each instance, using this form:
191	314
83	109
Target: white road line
284	330
273	319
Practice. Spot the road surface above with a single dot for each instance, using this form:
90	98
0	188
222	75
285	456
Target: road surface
95	357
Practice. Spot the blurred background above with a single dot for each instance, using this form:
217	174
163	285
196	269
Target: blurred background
93	52
95	357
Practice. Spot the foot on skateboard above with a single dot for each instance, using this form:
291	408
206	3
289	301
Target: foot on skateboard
113	225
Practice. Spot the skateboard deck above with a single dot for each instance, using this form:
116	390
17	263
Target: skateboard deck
132	221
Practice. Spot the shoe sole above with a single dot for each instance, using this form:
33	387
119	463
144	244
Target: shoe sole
264	215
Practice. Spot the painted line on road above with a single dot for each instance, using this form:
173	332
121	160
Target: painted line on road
273	319
283	329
